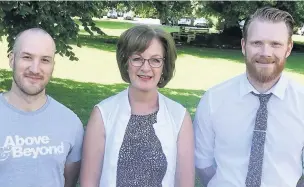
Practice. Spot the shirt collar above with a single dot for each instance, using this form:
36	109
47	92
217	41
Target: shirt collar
278	89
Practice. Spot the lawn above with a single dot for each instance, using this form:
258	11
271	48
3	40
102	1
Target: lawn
116	27
82	96
82	84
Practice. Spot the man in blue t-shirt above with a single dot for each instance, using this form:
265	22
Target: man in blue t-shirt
40	139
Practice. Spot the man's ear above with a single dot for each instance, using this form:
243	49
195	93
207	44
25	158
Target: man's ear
11	58
289	48
243	44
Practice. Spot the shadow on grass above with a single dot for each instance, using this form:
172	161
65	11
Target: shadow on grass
81	97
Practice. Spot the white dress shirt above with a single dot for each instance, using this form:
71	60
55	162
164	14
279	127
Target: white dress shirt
224	124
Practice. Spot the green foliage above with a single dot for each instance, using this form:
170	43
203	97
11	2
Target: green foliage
230	13
162	9
144	9
173	9
55	17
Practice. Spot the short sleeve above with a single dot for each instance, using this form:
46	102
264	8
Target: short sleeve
76	151
204	134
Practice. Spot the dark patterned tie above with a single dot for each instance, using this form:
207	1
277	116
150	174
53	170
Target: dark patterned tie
254	173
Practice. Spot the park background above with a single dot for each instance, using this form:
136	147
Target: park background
86	33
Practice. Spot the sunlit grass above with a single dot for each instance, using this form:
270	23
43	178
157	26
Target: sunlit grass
298	39
196	68
117	27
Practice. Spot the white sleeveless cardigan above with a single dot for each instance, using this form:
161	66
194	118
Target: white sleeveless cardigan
116	112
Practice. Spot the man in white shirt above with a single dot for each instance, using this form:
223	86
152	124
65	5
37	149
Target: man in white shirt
249	130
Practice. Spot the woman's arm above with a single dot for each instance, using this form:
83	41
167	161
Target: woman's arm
185	172
93	151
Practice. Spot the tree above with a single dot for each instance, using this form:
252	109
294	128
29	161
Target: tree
230	13
144	9
163	10
173	10
57	18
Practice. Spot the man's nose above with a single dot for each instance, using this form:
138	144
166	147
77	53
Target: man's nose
34	68
266	50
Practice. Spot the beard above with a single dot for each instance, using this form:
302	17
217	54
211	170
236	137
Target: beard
35	90
264	75
24	89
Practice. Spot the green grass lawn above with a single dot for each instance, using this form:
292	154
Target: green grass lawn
116	27
107	24
81	96
298	39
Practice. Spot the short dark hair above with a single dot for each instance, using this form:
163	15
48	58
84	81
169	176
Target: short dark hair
273	15
137	39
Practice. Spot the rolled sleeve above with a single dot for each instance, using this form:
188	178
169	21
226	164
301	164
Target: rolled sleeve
204	134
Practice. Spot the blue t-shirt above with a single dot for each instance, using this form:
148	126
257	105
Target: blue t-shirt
35	146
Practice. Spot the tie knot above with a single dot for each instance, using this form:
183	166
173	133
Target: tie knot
264	98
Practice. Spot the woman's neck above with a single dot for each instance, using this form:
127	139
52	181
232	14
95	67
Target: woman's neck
143	102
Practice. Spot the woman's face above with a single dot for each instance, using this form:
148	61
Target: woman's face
145	69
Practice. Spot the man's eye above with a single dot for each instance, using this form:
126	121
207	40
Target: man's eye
45	60
26	57
276	44
257	43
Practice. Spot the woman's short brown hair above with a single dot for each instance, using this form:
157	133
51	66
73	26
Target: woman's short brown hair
136	40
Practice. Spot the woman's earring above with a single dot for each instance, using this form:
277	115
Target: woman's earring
162	79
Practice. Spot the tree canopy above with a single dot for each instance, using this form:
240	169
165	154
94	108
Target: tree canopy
230	13
55	17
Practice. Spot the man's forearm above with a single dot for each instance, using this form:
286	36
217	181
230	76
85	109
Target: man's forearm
71	174
71	182
206	174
